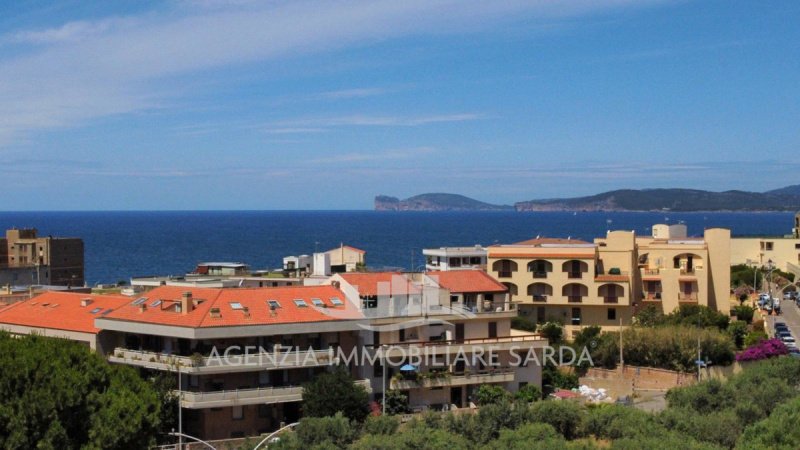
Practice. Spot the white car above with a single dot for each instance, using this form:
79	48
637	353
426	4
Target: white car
788	340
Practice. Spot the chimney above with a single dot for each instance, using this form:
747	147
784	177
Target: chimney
186	302
86	302
142	308
246	312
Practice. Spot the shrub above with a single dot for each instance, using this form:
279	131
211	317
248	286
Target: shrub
754	337
336	430
738	331
675	347
768	348
528	436
529	393
615	422
778	431
396	402
565	416
381	425
744	312
489	394
523	323
553	331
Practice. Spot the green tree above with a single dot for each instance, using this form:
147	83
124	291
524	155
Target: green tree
335	391
744	312
396	402
552	331
779	431
565	416
649	316
489	394
336	430
529	393
381	425
738	331
58	394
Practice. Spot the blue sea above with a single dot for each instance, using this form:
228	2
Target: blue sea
124	244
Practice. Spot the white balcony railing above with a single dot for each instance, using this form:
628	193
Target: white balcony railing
266	395
286	359
465	346
455	379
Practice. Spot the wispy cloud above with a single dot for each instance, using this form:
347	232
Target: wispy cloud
363	120
374	156
351	93
83	70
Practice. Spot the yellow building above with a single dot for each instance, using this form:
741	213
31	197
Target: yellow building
758	251
601	283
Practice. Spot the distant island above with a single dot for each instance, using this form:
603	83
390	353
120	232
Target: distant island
783	199
436	202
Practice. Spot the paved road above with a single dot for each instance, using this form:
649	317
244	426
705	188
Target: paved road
790	316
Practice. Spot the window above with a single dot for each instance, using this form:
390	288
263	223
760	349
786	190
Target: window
237	412
156	303
576	316
317	302
139	301
300	303
402	334
95	311
273	304
106	312
612	314
236	305
769	246
492	329
336	301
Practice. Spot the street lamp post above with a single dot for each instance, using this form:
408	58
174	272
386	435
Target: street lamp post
385	361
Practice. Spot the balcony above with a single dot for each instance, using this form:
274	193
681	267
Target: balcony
574	275
539	274
442	379
652	296
652	272
504	274
539	297
687	297
289	359
611	299
575	298
219	399
465	346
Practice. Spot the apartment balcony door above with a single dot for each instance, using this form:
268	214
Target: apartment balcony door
455	396
492	329
459	332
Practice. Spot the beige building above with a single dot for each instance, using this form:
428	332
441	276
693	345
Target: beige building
784	251
346	259
26	258
601	283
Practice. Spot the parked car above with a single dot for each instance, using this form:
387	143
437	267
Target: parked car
788	340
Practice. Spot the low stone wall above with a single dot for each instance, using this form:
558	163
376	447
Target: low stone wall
633	377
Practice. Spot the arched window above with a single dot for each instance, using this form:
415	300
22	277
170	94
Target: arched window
610	292
540	291
504	267
540	268
574	292
512	288
575	268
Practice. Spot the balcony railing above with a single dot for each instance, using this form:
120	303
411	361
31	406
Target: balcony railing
539	297
687	297
653	295
651	271
218	399
685	271
574	274
287	359
610	299
539	274
575	298
504	274
464	346
439	379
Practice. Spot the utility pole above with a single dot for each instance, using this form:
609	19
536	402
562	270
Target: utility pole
385	362
621	360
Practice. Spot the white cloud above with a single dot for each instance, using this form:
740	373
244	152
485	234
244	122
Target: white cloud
83	70
359	120
375	156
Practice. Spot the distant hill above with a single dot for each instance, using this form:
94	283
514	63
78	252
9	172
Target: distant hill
788	190
668	199
784	199
436	202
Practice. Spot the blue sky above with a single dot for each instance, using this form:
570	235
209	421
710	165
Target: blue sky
324	104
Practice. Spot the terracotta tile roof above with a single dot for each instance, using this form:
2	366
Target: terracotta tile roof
467	281
61	311
551	241
371	284
614	278
226	307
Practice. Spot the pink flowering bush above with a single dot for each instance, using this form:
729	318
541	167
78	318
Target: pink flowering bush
765	349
